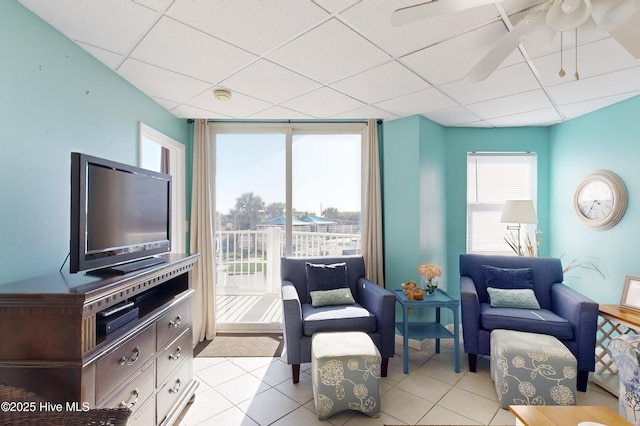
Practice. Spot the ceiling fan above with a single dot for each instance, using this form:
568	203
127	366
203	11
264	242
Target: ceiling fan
621	18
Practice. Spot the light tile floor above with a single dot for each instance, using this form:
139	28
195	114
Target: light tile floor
259	391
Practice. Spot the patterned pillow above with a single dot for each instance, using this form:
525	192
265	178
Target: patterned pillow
338	296
514	298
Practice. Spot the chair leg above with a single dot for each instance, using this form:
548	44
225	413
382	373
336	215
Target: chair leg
583	378
384	367
295	370
473	362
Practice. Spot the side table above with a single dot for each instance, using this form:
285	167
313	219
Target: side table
425	329
555	415
613	321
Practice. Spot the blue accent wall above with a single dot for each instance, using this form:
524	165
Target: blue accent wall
605	139
54	99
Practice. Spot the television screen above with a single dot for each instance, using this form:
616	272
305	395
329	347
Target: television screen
119	213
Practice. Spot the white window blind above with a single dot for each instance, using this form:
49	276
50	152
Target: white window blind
493	178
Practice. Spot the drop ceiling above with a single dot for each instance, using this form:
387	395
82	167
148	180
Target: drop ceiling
342	59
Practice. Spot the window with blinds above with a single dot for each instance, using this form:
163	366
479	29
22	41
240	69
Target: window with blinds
493	178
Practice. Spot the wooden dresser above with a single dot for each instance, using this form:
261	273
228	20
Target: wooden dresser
51	342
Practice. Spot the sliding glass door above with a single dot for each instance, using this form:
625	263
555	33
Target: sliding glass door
279	191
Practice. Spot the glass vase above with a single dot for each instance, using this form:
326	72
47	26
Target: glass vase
430	285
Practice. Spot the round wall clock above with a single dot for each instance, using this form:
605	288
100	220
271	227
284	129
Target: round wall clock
600	199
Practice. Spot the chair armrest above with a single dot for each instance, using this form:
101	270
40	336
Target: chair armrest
382	303
292	321
582	314
470	307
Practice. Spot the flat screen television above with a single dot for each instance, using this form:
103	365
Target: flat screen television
120	215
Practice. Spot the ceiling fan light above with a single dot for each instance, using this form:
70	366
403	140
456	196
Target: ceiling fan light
540	33
560	20
610	14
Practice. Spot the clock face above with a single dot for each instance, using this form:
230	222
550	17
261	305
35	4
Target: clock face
595	200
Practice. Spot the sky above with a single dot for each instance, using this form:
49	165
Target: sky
326	170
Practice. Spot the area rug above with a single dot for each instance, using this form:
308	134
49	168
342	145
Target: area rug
241	345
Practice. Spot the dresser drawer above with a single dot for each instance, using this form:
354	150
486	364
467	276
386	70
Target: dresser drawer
170	391
145	416
171	324
176	352
135	393
124	361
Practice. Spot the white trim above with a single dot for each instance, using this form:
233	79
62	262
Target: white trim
177	167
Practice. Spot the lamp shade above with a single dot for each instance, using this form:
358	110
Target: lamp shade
518	211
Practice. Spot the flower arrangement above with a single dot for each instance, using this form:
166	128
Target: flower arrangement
430	271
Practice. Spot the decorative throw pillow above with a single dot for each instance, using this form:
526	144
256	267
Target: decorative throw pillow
321	277
508	278
338	296
514	298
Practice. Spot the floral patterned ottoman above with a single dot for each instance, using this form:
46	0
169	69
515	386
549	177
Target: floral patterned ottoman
345	373
532	369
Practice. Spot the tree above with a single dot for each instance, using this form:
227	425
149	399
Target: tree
274	210
249	211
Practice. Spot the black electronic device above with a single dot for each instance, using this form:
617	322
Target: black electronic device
118	307
109	324
119	214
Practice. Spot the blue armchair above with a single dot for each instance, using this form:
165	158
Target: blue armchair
373	311
564	313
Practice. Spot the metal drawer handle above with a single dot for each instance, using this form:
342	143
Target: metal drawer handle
176	388
134	358
135	395
176	354
176	322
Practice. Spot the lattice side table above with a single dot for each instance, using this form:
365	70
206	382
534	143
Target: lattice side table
613	321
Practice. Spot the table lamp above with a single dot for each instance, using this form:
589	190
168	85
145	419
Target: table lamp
518	211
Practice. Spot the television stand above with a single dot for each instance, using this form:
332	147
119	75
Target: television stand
53	344
127	268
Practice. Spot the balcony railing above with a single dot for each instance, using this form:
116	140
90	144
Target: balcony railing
248	262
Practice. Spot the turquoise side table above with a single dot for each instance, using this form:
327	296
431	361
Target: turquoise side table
425	329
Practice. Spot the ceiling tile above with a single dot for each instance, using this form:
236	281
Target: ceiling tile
366	112
277	112
187	111
514	104
157	5
417	103
110	59
372	18
329	52
615	83
182	49
323	103
503	82
543	117
239	106
580	108
270	82
115	25
256	25
158	82
595	58
336	6
381	83
452	116
452	59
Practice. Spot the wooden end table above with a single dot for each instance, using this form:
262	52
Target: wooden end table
425	329
555	415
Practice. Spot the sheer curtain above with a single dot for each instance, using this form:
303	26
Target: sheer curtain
372	207
204	323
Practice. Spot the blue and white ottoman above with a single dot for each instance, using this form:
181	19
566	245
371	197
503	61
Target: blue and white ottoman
345	373
532	369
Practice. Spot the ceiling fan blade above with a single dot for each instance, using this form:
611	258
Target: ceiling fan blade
499	52
418	12
628	35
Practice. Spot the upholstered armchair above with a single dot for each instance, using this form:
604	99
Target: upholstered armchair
553	308
625	353
371	308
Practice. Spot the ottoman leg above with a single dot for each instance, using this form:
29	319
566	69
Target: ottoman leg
384	366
